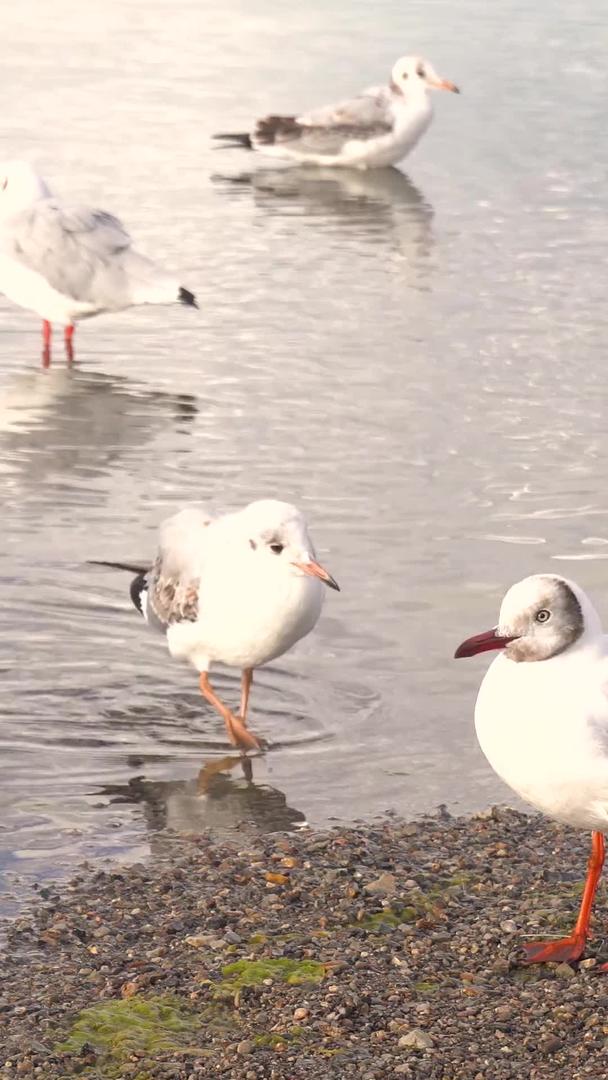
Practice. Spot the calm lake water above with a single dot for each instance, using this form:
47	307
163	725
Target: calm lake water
417	361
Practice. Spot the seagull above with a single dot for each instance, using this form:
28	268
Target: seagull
377	128
239	589
542	720
70	262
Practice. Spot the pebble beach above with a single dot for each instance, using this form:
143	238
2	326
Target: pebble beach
384	950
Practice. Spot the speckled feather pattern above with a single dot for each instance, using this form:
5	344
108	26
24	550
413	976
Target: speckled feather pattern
170	599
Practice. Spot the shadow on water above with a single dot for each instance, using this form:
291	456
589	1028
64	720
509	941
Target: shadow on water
64	420
221	798
382	202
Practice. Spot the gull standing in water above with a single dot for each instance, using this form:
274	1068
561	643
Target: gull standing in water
70	262
377	128
240	590
542	720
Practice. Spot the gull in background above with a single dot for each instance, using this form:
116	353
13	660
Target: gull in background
377	128
240	590
542	720
70	262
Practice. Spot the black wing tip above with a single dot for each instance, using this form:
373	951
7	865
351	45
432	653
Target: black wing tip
138	586
186	297
139	583
240	139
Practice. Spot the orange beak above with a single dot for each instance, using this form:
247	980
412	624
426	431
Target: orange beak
444	84
314	569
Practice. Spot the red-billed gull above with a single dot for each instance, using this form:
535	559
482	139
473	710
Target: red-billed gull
377	128
542	720
240	590
70	262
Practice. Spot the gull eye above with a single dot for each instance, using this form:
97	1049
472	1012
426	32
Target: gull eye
420	72
543	615
276	548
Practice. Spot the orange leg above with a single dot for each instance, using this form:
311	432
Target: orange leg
46	343
573	947
246	681
237	730
69	347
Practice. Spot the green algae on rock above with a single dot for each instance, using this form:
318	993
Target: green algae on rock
116	1029
253	972
387	919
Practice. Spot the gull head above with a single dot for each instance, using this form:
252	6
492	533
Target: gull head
20	186
278	541
540	617
412	73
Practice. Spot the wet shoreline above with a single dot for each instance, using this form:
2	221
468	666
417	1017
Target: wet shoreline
389	949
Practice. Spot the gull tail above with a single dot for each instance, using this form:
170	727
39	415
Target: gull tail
150	284
235	139
131	567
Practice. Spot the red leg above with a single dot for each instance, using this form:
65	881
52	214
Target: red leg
69	347
46	343
573	947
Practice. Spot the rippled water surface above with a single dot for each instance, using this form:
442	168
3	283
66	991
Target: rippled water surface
418	361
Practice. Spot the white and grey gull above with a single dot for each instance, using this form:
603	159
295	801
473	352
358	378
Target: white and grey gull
542	720
70	262
239	589
375	129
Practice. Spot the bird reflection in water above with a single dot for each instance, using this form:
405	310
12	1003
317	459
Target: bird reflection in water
222	797
71	421
378	203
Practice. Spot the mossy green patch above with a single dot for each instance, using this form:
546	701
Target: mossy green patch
388	919
117	1029
450	885
424	986
253	972
293	1034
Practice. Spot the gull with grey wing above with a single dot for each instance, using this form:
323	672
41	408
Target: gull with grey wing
376	129
70	262
239	589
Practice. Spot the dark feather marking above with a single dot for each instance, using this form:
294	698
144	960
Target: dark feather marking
237	139
172	600
316	138
277	129
186	297
139	585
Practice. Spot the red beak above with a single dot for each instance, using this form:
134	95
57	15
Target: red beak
490	639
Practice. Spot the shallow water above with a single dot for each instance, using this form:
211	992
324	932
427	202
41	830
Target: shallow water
417	361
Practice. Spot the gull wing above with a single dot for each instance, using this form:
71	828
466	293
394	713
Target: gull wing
326	130
68	246
174	580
